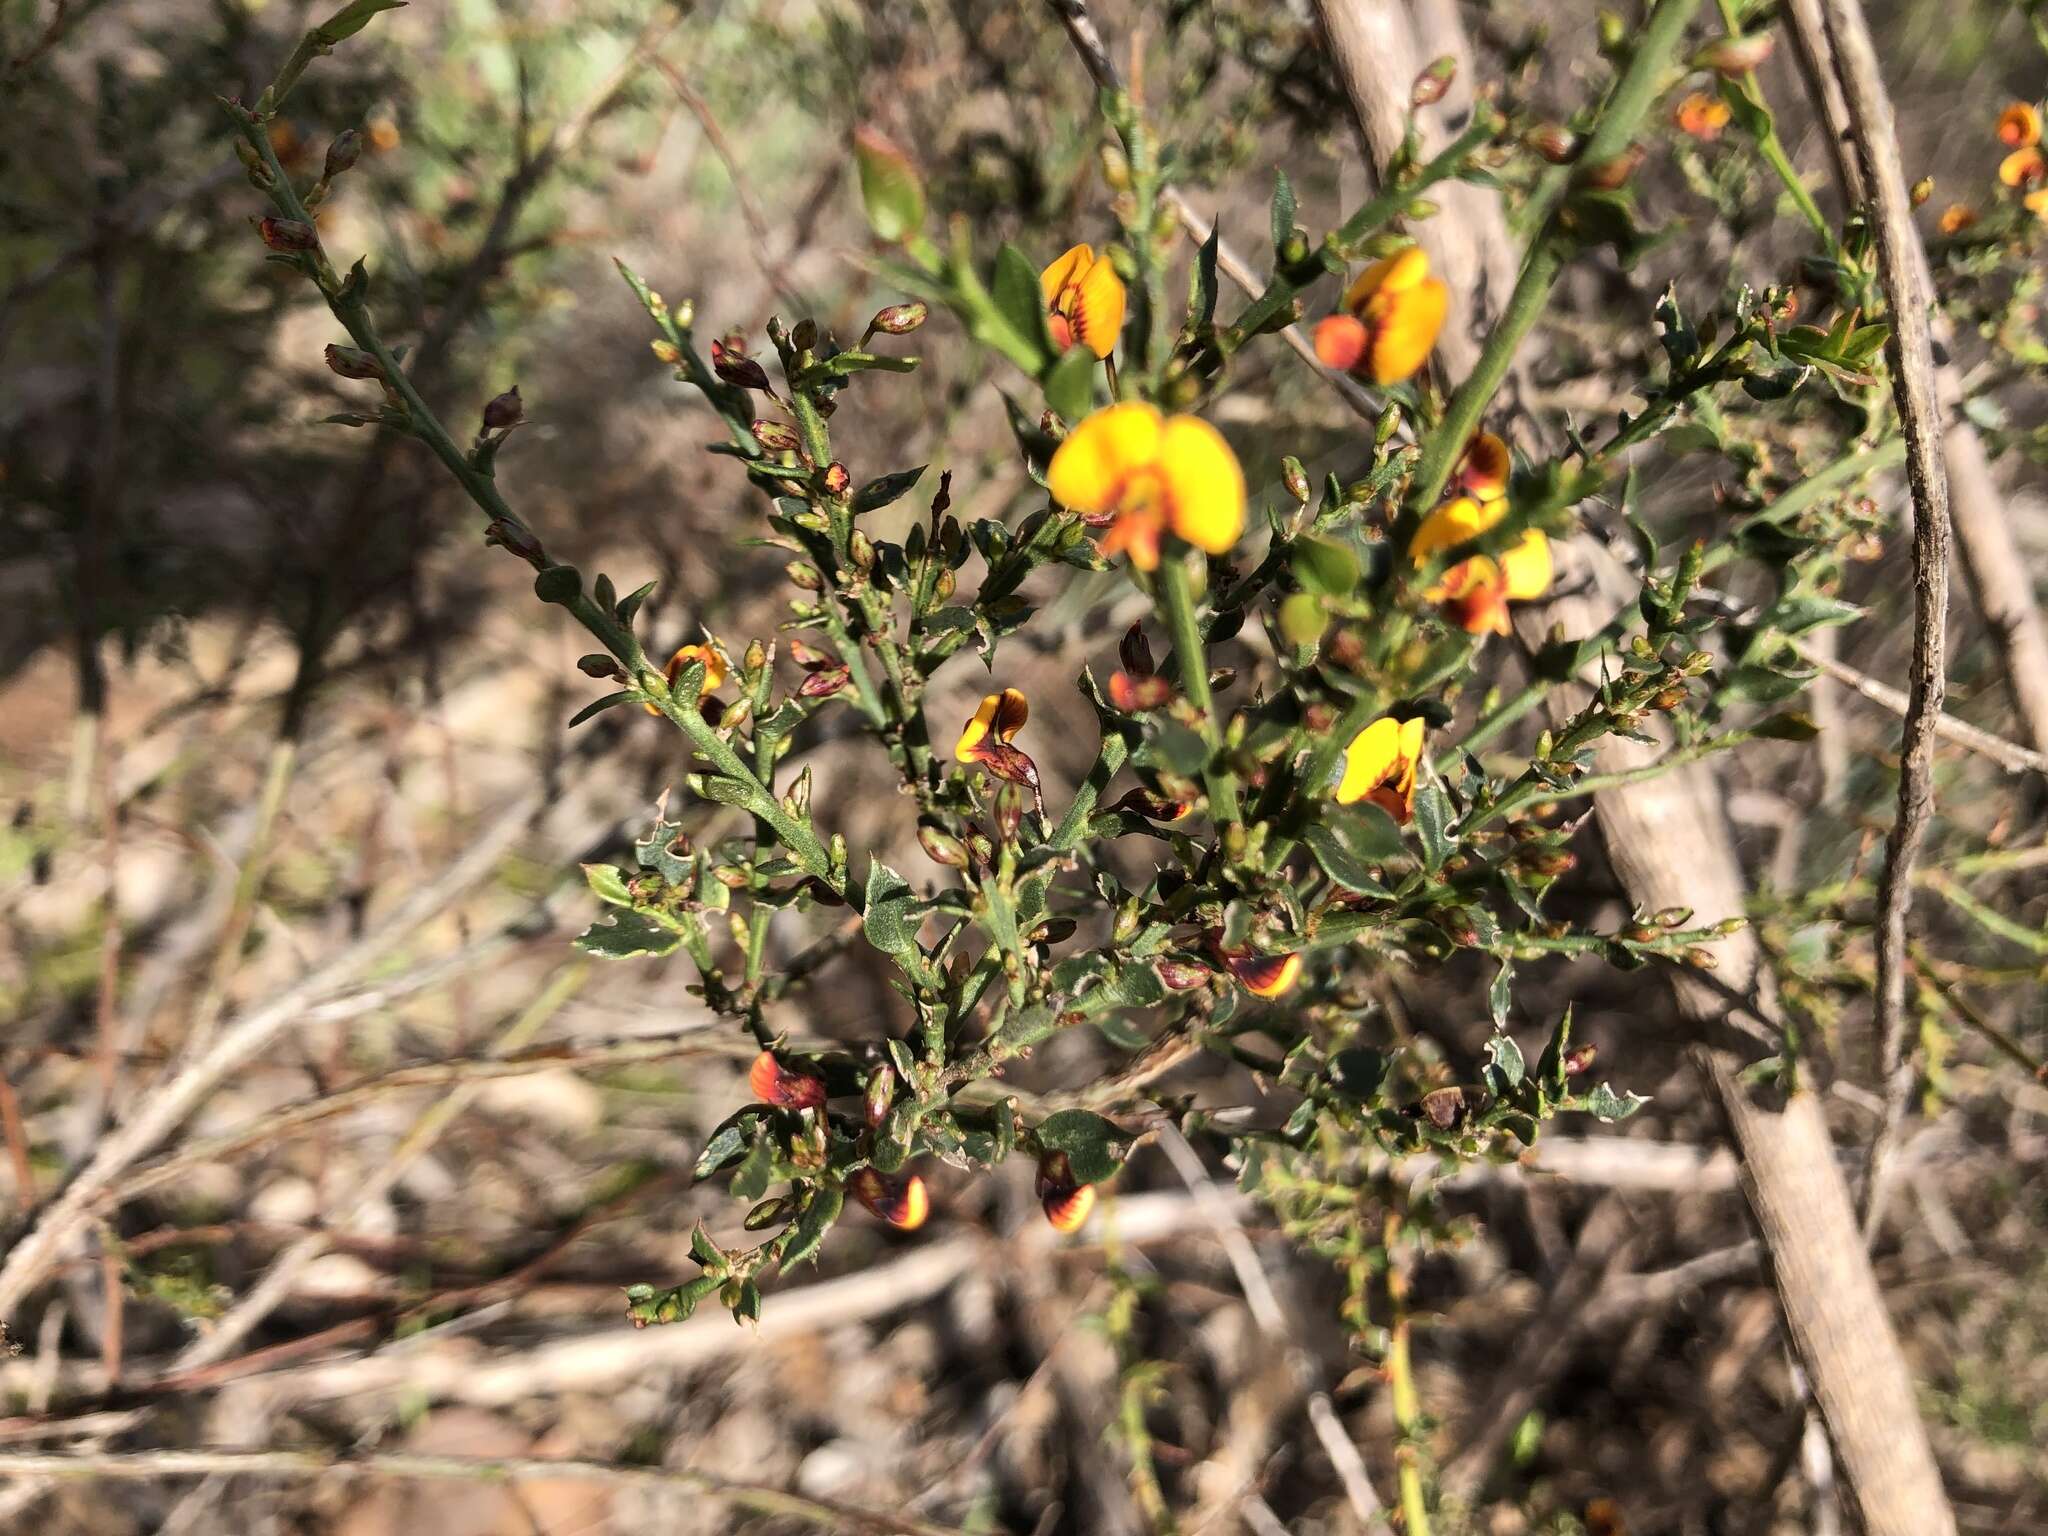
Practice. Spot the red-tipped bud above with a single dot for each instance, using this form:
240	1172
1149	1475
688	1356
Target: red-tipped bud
1133	694
824	682
502	411
1341	341
1733	56
784	1087
730	362
1610	175
1554	142
287	235
942	847
1579	1059
901	1200
900	319
1431	84
343	153
353	363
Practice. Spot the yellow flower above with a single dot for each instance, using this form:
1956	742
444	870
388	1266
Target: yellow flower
2037	204
1702	116
1265	975
1485	468
1476	592
714	670
1380	766
1084	300
1392	315
1956	218
2023	167
899	1199
1148	474
1001	715
2019	126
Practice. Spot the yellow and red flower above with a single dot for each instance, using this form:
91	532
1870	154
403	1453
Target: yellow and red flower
986	738
1475	592
1084	301
1702	116
900	1199
784	1086
2037	204
1380	766
2024	167
1390	320
1484	470
1147	475
1065	1201
1956	218
715	668
2019	125
1261	975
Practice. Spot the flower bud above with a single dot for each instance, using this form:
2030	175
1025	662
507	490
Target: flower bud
1702	958
804	334
252	162
1116	169
288	235
730	362
667	351
353	363
1431	84
1579	1059
879	1095
805	576
1182	974
776	437
1553	142
1295	478
944	584
784	1087
1922	190
942	847
900	319
1673	917
1135	652
1733	56
503	411
1009	810
766	1214
597	664
900	1201
343	153
1612	31
1611	175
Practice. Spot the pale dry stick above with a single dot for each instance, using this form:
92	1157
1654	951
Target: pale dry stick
277	1281
2009	755
163	1108
149	1466
1901	267
2000	578
1271	1318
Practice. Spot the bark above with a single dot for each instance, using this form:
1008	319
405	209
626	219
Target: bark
1670	844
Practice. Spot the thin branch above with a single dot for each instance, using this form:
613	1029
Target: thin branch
2009	755
149	1466
1914	392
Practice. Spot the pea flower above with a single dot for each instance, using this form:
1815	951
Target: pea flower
901	1201
2024	167
2037	204
1064	1199
1261	975
1084	300
1956	218
782	1086
1147	475
986	738
1475	592
715	668
2019	126
1702	116
1391	317
1380	765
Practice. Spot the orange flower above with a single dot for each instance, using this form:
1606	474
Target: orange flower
1702	116
2023	167
1380	765
2019	126
1084	300
1261	975
715	668
1065	1201
784	1087
901	1201
1484	470
1956	218
1149	474
985	739
1391	317
1475	592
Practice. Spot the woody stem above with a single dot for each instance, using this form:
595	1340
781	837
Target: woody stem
1177	611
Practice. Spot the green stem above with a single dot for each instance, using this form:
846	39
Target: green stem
1772	148
1626	107
1177	612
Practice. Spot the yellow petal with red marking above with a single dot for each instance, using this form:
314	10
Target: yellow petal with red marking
902	1201
1484	470
1458	521
2023	167
782	1086
999	718
1265	975
2019	126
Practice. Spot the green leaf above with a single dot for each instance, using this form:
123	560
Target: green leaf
1095	1147
726	1143
1504	1060
599	706
1498	996
1603	1103
1070	384
608	883
1432	820
877	494
1341	862
1786	727
822	1210
1019	296
757	1172
1283	209
628	934
353	17
890	920
890	187
1303	619
1202	285
1325	566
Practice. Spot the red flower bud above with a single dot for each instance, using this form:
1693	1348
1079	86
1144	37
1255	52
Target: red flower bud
1135	652
1431	84
837	480
784	1087
502	411
1579	1059
900	319
353	363
730	362
343	153
287	234
776	437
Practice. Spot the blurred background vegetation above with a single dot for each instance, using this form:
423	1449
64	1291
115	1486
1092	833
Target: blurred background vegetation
261	683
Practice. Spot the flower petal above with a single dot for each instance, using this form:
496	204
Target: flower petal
1369	759
1458	521
1405	324
1403	270
2019	125
1098	308
1067	269
1265	975
975	732
1204	484
1525	566
1088	469
2023	167
1341	341
714	670
1486	466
